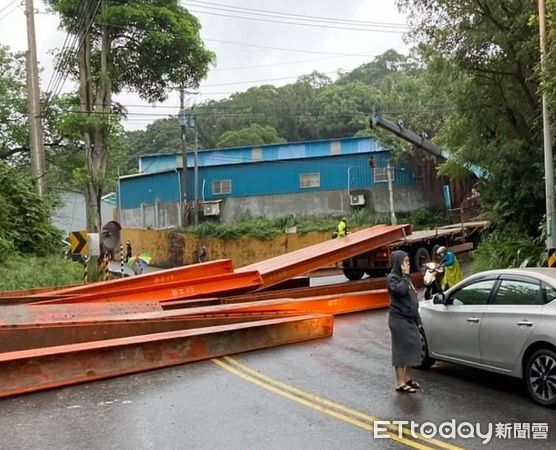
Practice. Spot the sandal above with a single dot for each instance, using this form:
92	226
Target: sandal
413	384
405	388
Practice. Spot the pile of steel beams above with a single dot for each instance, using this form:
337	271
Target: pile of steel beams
55	337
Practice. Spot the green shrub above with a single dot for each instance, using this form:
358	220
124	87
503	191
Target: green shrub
25	223
264	228
503	249
426	218
27	272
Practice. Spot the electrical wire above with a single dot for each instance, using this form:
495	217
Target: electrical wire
367	30
296	16
15	8
8	6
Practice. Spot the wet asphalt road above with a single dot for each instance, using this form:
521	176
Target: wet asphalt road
206	406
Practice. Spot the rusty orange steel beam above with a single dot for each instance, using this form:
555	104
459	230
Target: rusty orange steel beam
26	337
229	283
44	314
327	304
286	266
23	300
50	315
26	292
177	274
367	284
32	370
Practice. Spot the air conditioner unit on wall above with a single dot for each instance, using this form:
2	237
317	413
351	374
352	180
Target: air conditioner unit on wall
211	209
357	200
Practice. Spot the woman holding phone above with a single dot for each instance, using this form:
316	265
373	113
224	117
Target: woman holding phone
403	322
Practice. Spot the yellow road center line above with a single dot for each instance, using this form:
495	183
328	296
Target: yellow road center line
338	406
315	406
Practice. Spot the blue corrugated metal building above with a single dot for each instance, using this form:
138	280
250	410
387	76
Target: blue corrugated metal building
310	178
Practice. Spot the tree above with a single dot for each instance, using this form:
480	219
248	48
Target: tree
345	109
488	53
314	107
253	135
25	225
381	69
14	135
146	46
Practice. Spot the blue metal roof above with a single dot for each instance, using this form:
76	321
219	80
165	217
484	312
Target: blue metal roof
270	152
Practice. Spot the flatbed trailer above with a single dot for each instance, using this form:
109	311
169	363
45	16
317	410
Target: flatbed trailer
420	245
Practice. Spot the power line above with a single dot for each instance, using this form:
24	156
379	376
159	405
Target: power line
263	80
386	30
245	44
201	112
89	10
15	8
299	61
8	6
285	49
297	16
64	53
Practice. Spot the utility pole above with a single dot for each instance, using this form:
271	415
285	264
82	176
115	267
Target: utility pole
34	103
184	183
548	158
196	176
390	173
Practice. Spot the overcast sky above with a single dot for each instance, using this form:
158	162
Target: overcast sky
264	49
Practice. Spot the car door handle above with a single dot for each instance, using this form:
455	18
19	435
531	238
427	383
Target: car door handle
525	323
473	320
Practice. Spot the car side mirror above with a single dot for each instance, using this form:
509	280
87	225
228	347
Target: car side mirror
439	299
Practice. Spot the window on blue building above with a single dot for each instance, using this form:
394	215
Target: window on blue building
309	180
221	187
380	174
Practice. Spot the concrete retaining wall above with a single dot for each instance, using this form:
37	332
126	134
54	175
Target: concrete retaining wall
170	249
331	203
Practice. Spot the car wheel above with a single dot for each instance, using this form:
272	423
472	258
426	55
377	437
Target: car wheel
540	377
426	361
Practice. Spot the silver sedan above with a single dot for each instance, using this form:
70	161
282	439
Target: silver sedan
502	321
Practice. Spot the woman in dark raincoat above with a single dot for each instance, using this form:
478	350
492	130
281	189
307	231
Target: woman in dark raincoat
403	322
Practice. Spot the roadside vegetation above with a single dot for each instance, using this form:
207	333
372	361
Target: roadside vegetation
31	251
266	228
502	250
27	272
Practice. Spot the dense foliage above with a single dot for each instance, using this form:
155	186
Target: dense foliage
25	225
314	107
488	53
31	271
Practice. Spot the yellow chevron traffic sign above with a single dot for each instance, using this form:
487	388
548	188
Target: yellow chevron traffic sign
79	245
552	258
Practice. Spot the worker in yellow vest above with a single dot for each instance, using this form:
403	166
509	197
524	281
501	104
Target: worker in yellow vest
341	229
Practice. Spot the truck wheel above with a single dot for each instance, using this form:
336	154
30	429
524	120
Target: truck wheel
377	273
353	274
420	258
